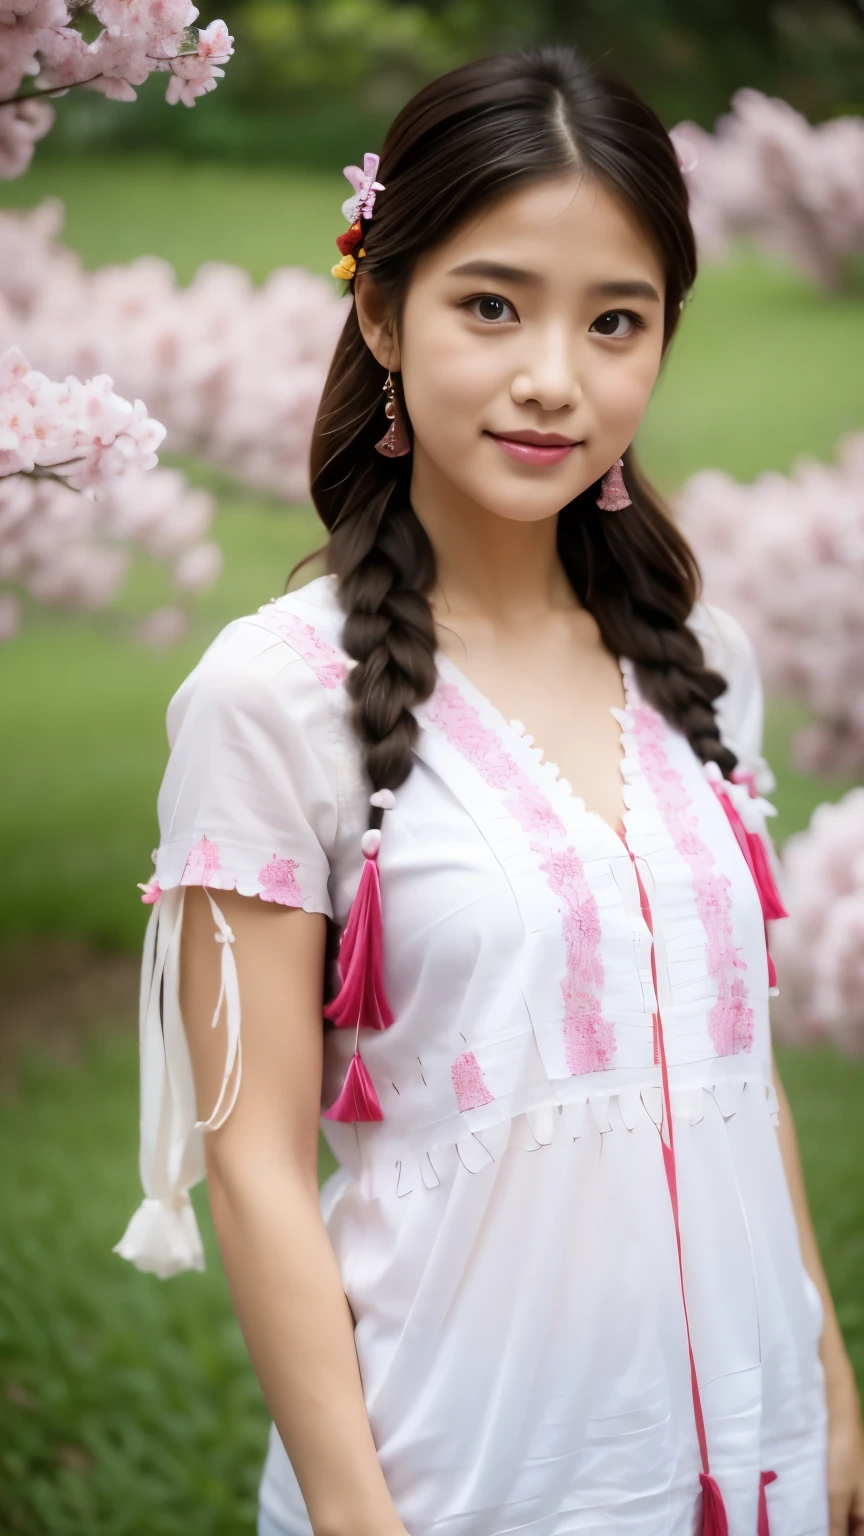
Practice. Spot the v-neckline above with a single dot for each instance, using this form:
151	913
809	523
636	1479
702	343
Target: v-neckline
528	745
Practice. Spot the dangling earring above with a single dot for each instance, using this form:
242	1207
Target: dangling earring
395	443
613	492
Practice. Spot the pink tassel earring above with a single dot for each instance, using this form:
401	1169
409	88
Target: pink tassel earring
361	998
613	492
395	443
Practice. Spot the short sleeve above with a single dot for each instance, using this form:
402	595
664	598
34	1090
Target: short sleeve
248	803
249	800
729	650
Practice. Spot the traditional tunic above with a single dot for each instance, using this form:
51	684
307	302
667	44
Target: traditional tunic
506	1235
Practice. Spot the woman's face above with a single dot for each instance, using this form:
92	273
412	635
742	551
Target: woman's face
529	344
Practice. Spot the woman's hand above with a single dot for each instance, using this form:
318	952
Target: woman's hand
845	1449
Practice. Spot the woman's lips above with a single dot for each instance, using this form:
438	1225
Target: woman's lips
534	447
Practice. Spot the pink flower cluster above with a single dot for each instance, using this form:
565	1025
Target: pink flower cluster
42	50
819	948
60	547
797	191
84	434
235	371
786	555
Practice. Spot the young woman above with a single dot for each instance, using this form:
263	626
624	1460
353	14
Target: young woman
564	1280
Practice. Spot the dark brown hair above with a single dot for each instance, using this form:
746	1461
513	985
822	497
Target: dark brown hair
469	137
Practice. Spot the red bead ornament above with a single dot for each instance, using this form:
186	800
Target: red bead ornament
348	243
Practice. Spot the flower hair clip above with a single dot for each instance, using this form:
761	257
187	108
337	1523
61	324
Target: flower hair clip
356	209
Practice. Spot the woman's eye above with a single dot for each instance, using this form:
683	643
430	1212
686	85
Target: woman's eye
487	306
616	322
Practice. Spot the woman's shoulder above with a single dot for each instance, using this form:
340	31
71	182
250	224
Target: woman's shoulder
726	645
286	657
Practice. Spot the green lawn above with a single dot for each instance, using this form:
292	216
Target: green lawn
129	1407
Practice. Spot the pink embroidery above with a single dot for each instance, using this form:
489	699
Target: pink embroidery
202	863
730	1020
329	666
589	1039
279	883
468	1083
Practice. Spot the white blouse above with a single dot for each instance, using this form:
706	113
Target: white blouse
506	1234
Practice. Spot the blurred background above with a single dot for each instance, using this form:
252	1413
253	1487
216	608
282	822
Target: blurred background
187	253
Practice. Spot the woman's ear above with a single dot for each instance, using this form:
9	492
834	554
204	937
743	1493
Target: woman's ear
376	322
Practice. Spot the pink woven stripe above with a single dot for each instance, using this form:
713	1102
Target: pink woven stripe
589	1039
730	1020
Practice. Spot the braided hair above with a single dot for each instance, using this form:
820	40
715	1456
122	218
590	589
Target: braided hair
468	137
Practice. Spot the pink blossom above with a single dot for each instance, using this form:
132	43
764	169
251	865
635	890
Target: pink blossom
819	948
22	124
150	20
191	76
39	40
215	43
64	548
234	370
198	568
150	892
766	174
786	555
163	628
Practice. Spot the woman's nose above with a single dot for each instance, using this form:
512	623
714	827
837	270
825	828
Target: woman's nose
550	378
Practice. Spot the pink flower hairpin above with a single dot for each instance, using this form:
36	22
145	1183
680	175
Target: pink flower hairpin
365	187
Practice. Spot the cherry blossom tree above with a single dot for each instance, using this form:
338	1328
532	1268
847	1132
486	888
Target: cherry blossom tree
79	493
786	555
44	53
797	191
235	371
819	948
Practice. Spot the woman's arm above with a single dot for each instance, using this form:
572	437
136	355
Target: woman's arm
263	1187
846	1441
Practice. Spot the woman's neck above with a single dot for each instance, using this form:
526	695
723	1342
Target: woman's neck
497	569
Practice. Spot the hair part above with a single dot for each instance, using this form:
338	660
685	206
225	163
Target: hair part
469	137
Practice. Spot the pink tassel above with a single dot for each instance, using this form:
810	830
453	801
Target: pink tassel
613	492
762	1527
358	1099
714	1519
772	902
753	849
361	999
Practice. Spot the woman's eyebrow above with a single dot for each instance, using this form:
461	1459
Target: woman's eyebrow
625	288
496	271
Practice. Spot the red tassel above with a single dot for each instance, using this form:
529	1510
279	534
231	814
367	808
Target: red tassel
762	1527
714	1520
772	902
358	1099
361	999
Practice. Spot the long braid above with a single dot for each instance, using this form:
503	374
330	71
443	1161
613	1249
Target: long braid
384	562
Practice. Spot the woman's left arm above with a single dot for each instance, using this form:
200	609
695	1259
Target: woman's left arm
845	1436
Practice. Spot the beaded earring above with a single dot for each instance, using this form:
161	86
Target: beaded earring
395	443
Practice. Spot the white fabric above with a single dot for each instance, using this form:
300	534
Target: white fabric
504	1234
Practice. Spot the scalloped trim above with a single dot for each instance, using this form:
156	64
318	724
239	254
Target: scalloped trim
398	1167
